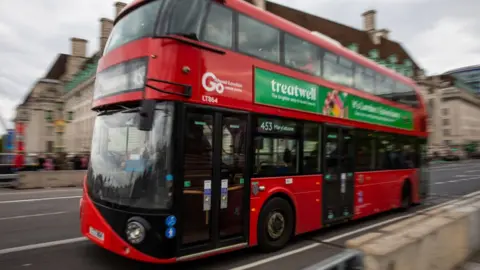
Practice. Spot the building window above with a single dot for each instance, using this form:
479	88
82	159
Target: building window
445	111
446	132
49	131
258	39
219	26
446	122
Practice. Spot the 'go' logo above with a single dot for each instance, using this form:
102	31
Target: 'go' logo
211	83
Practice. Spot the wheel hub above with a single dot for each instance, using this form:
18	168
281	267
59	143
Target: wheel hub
276	225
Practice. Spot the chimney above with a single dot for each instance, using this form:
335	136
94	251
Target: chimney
369	20
261	4
119	7
384	33
79	47
106	26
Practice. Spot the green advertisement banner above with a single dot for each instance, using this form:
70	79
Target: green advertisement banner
281	91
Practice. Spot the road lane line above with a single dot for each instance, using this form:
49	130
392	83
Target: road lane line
35	215
41	199
247	266
13	193
42	245
314	245
471	194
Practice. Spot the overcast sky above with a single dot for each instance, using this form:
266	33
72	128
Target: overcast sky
439	34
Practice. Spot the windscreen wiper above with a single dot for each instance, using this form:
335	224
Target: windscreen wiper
118	108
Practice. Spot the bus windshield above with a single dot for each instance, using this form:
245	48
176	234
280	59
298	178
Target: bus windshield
130	167
137	24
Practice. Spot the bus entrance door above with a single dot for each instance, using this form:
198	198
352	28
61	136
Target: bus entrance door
213	213
338	180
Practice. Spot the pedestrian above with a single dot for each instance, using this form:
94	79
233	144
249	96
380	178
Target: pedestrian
48	164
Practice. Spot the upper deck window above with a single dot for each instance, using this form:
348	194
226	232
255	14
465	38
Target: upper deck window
365	79
302	55
384	86
258	39
137	24
337	69
219	26
406	95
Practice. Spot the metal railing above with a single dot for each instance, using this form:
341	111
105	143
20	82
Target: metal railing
348	259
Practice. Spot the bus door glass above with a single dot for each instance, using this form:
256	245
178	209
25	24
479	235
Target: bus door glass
338	180
212	202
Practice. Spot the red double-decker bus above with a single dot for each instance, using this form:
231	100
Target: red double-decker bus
221	126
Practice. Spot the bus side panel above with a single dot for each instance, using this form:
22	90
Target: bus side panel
303	191
370	194
377	192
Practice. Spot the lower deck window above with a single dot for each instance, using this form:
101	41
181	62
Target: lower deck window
275	156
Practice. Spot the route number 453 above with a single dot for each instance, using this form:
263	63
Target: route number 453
266	126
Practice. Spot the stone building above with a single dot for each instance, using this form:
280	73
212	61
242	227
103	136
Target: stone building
56	112
453	112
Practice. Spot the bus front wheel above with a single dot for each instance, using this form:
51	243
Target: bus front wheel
275	225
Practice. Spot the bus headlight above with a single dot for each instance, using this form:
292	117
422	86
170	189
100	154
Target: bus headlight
135	232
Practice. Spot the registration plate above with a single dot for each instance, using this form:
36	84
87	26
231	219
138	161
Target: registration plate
97	234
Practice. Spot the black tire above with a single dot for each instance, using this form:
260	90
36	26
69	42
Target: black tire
272	210
406	196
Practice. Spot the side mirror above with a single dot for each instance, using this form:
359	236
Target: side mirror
146	114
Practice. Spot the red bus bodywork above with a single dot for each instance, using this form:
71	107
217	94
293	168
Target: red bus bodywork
181	60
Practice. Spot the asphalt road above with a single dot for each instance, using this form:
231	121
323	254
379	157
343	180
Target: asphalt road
39	229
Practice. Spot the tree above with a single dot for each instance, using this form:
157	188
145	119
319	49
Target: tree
471	147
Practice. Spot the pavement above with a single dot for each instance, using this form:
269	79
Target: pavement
39	229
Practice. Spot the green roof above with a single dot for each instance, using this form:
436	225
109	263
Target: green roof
82	75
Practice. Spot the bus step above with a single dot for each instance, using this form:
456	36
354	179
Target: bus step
348	259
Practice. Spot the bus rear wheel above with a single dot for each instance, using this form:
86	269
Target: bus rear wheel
406	196
275	225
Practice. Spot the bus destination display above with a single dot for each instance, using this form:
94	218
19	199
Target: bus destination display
266	125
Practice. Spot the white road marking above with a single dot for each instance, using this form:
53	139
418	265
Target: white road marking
473	171
35	215
41	199
247	266
471	194
13	193
42	245
314	245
